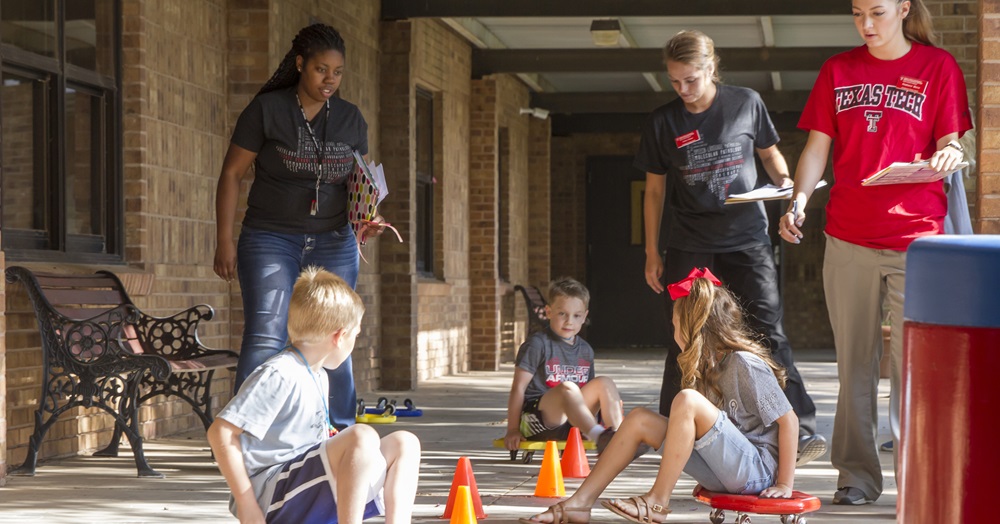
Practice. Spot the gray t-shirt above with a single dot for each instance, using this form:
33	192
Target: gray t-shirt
753	400
284	183
706	157
552	361
281	412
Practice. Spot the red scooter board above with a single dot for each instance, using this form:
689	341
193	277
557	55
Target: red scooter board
791	510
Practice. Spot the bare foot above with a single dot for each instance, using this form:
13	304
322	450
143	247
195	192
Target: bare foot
560	514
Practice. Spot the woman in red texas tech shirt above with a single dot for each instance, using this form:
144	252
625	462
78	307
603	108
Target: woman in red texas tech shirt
895	99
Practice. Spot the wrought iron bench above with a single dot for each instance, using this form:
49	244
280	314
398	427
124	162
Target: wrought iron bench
99	350
535	302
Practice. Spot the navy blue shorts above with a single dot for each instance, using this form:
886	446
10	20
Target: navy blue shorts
304	491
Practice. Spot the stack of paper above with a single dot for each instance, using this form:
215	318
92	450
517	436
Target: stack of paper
909	173
375	175
767	192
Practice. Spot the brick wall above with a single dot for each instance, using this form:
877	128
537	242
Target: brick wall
175	85
484	279
441	64
18	156
957	26
398	278
569	195
539	204
512	95
988	122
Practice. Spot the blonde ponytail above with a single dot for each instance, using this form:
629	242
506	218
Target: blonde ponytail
711	325
918	26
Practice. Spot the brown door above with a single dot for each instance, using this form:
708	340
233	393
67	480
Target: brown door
624	312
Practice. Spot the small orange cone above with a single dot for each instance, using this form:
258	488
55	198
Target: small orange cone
574	459
550	479
463	514
464	477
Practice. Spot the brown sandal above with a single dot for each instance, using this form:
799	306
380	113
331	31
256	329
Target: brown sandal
560	515
641	506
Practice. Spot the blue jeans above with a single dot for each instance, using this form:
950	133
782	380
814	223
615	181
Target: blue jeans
268	264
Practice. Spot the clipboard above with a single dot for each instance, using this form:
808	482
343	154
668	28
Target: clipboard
909	173
366	187
766	192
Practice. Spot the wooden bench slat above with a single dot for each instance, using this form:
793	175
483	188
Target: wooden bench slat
108	297
202	363
88	281
78	313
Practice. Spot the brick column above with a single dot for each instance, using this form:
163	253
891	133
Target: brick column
987	220
248	24
398	261
483	221
248	62
539	202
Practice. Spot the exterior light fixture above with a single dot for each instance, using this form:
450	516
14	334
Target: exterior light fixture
605	32
536	112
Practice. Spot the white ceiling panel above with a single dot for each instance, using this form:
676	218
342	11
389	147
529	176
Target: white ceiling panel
597	82
541	33
725	31
653	32
802	31
799	80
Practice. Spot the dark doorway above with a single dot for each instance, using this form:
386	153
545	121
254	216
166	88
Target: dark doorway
624	312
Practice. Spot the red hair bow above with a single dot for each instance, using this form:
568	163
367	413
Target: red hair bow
683	288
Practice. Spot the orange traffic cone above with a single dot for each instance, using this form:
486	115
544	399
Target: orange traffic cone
464	477
463	514
550	479
574	459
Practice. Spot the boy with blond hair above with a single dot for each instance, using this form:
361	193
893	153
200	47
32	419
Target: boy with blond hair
274	444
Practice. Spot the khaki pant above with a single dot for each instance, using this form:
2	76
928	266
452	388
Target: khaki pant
857	281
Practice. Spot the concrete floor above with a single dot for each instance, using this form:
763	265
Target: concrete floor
462	415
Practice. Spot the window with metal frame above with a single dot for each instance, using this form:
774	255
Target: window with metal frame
424	198
60	129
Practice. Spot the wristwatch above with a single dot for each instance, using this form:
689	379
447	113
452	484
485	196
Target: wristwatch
955	145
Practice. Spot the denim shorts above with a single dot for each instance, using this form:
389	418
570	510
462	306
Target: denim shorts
724	461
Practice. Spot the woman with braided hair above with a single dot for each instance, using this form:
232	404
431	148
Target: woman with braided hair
301	140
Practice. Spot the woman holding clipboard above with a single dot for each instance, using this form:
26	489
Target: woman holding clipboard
301	140
895	99
696	151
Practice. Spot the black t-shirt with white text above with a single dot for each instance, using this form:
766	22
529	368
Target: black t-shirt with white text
706	157
287	165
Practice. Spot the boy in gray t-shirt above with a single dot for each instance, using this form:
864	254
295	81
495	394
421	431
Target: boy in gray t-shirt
274	443
554	386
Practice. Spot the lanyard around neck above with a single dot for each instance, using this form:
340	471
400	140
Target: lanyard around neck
314	207
329	426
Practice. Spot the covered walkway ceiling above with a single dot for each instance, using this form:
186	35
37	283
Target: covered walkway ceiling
773	46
